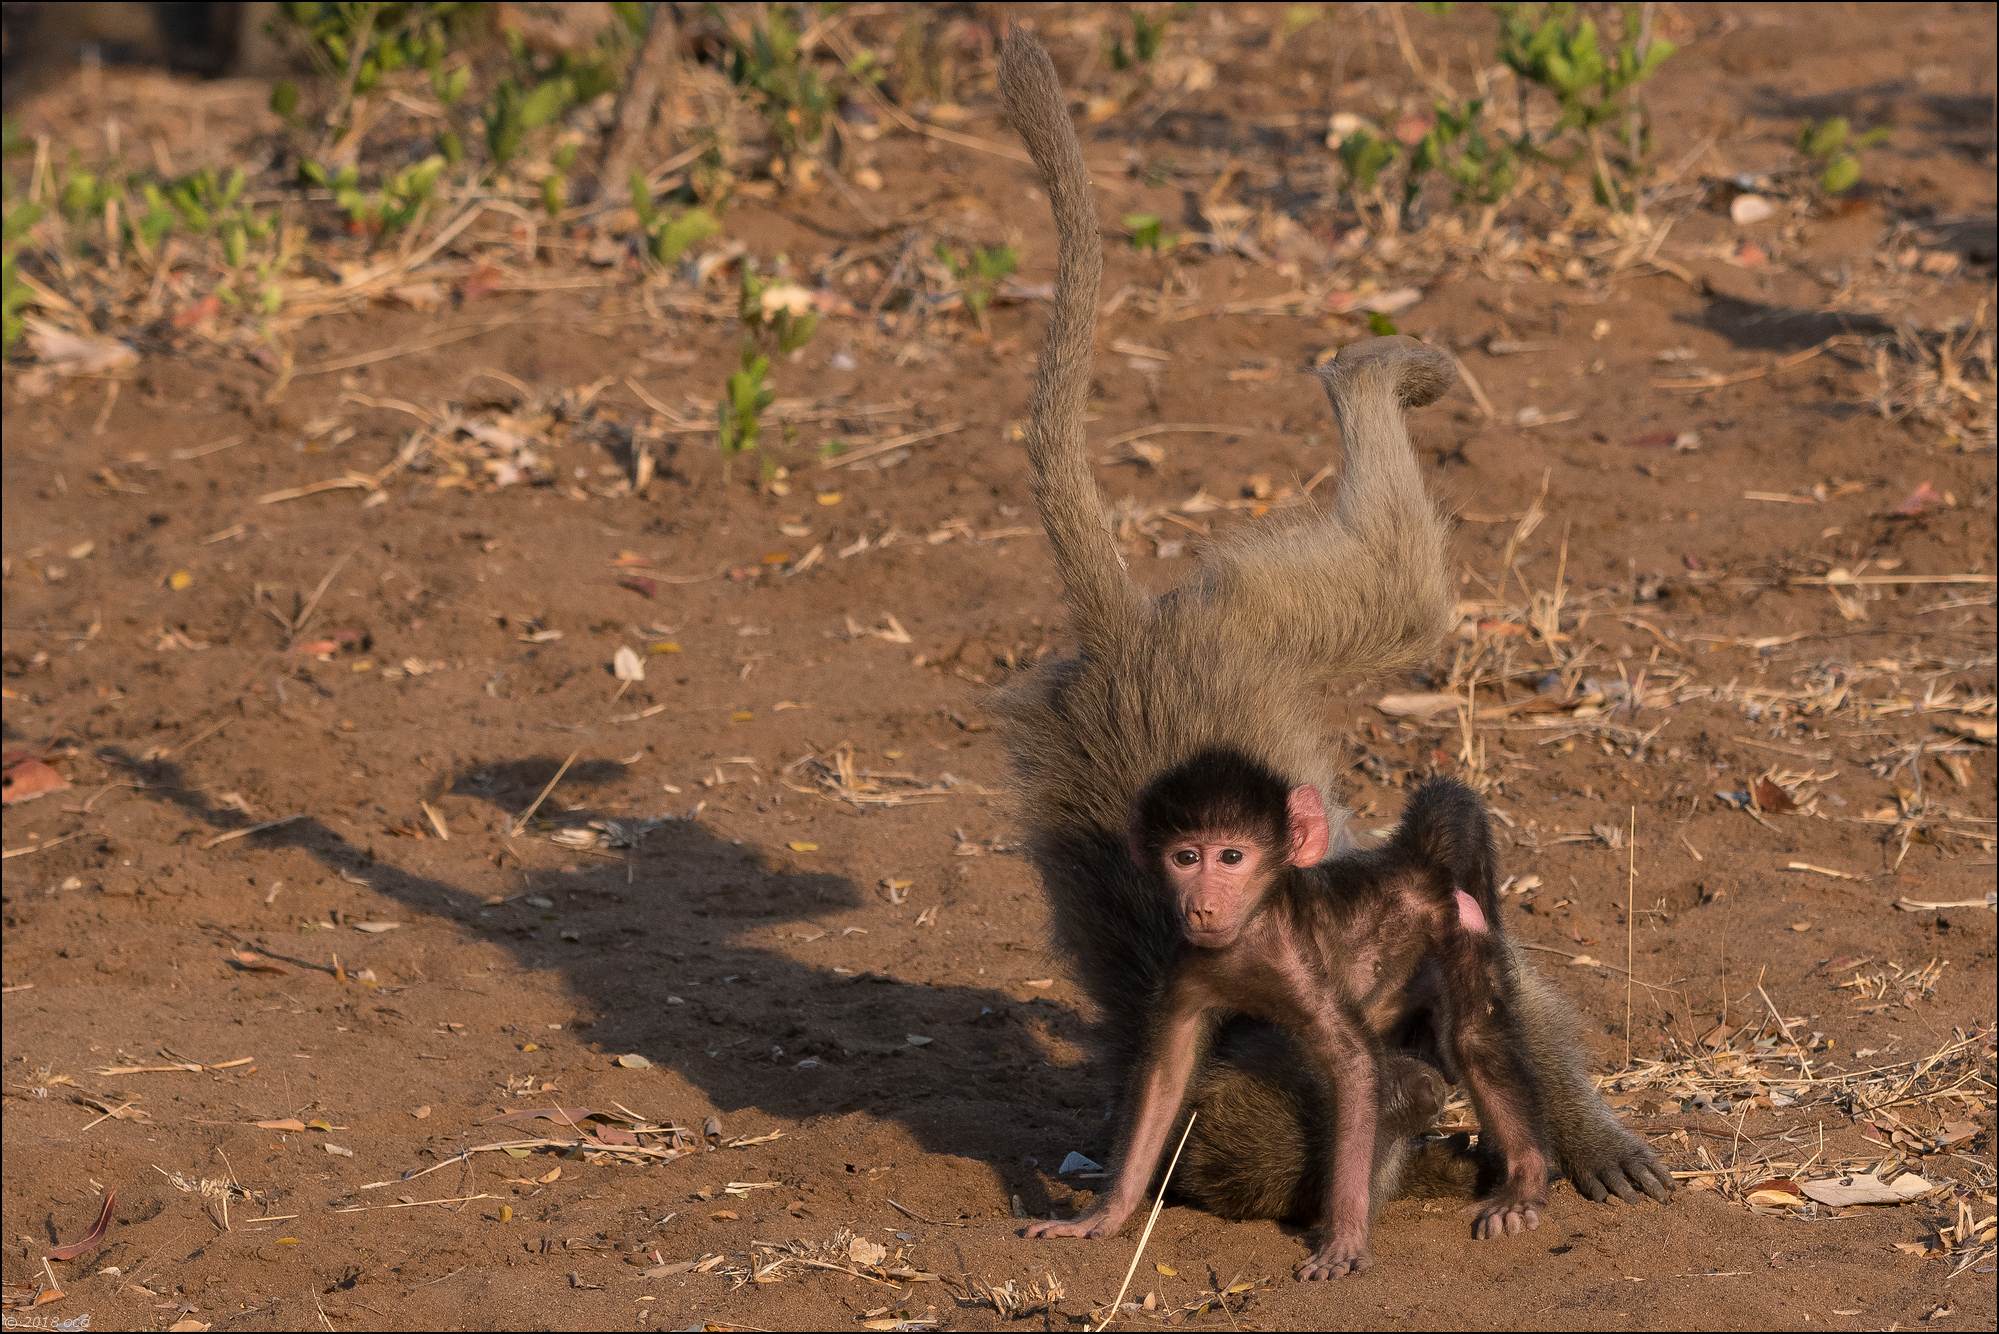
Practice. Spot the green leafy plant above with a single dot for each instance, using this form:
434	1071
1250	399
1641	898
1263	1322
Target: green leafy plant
789	93
15	294
739	425
1146	231
359	43
1559	49
1593	81
1146	35
400	200
1831	152
670	235
1480	166
779	324
775	323
1458	148
979	273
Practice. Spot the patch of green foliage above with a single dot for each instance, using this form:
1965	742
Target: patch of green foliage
1558	52
788	92
739	425
771	329
670	235
1140	45
979	272
1147	231
1831	152
15	294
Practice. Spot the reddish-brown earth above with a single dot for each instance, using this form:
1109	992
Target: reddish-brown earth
860	995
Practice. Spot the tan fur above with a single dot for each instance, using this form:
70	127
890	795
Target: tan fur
1240	655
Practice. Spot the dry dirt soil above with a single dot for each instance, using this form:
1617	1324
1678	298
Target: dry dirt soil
297	929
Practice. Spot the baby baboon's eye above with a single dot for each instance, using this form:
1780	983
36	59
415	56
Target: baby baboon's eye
1231	856
1186	857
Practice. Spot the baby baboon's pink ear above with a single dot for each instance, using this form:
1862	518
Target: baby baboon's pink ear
1310	834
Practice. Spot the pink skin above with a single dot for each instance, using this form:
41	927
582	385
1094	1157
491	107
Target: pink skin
1215	872
1516	1206
1158	1106
1470	916
1342	1250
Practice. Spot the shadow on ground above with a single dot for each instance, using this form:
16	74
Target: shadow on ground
648	941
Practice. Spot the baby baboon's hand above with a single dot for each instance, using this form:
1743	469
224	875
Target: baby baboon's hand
1099	1222
1337	1257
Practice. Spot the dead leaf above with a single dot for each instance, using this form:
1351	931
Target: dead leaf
252	963
419	295
1771	799
376	928
633	1061
627	666
1867	1188
1920	502
1974	729
283	1123
26	778
78	354
864	1252
1776	1193
1951	1132
95	1238
1746	210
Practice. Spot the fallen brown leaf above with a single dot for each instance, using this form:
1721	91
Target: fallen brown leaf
26	778
95	1238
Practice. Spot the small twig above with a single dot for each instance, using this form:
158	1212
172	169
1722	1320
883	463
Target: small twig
232	835
1786	363
312	603
521	820
180	1068
11	853
1804	1062
1472	384
1630	917
1158	1203
414	1204
933	1222
889	445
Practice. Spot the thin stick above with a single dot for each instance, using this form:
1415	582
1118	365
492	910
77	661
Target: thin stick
12	853
414	1204
1630	892
312	603
247	830
889	445
1145	1236
521	820
1784	1028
